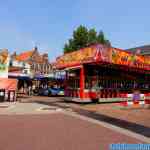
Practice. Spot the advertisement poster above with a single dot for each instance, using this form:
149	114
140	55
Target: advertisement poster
133	60
4	62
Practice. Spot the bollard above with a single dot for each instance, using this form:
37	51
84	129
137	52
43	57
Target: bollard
2	95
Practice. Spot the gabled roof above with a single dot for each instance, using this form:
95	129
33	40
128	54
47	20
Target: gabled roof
144	50
24	55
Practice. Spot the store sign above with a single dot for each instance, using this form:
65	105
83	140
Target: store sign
88	54
125	58
77	57
101	53
4	62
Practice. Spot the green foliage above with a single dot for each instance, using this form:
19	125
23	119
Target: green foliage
101	38
92	37
66	48
82	37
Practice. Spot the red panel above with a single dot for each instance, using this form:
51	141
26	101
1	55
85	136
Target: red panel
8	84
82	80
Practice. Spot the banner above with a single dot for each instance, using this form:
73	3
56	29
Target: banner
89	54
101	53
8	84
4	62
76	57
125	58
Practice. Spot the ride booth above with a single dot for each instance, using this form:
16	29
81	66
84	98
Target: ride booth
8	87
101	73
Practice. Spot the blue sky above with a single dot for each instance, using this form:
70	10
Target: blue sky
49	23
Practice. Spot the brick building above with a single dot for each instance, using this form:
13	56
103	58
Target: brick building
142	50
39	63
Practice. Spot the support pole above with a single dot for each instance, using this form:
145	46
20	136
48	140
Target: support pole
82	82
66	84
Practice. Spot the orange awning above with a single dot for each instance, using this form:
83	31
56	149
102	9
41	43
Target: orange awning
8	84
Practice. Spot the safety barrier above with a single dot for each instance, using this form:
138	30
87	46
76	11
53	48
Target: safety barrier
107	95
144	100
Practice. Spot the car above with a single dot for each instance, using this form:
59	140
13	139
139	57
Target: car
55	92
43	92
51	92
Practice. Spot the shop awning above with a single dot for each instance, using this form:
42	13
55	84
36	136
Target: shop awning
8	84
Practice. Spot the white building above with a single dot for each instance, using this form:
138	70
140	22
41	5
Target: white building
19	68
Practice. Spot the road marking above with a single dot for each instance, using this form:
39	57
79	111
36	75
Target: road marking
49	109
110	126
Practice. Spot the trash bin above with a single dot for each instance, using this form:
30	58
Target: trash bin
11	95
2	95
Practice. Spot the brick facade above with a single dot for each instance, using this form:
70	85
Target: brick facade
39	63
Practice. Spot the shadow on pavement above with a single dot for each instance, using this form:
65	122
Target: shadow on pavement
137	128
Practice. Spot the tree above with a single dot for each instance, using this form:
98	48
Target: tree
92	37
70	46
101	38
66	48
82	37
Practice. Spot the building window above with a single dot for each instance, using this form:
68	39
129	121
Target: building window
11	64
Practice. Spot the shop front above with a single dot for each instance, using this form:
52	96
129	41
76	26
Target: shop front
8	87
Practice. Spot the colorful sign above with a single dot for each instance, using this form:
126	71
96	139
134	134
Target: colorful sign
101	53
124	58
76	57
85	55
104	53
147	60
4	62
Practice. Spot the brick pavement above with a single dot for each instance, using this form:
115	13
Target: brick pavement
138	116
56	132
25	108
47	130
